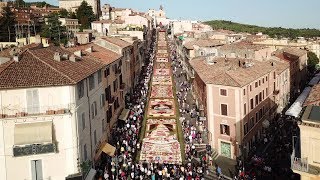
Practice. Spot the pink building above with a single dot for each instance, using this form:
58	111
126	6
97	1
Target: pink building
239	99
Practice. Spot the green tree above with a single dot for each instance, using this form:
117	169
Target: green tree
7	23
85	15
63	13
313	60
54	30
19	3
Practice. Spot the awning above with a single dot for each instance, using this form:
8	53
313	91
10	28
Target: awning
91	174
296	107
106	148
314	80
33	133
124	114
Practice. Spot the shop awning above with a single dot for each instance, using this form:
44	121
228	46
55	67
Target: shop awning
296	107
33	133
91	174
124	114
106	148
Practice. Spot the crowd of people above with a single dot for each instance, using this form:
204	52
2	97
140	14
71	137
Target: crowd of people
273	161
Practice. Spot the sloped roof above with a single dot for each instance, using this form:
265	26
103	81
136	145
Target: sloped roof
116	41
37	68
203	43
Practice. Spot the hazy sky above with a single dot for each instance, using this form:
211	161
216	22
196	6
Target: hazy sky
285	13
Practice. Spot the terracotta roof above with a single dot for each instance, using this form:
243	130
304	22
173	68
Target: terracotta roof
6	52
104	55
117	21
117	41
227	72
294	51
242	45
280	65
203	43
37	68
314	95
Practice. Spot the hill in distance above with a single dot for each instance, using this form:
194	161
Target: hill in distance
274	32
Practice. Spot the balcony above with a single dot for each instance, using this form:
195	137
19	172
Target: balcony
276	92
13	112
34	149
122	86
111	100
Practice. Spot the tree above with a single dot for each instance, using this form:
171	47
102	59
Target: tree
63	13
54	30
19	3
85	15
313	60
7	31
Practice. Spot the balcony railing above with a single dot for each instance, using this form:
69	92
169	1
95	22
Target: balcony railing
299	164
11	112
33	149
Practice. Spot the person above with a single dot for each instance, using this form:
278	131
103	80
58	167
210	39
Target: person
219	173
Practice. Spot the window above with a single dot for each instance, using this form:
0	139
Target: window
245	128
274	75
266	92
91	82
266	78
33	101
262	94
85	155
224	129
99	77
107	72
95	137
95	108
83	120
251	103
244	92
80	88
259	82
223	92
224	109
108	93
260	97
256	84
262	80
109	114
244	109
251	122
115	85
257	100
250	88
257	117
92	111
102	100
36	170
260	113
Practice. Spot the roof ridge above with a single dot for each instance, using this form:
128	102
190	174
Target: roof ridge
51	66
233	79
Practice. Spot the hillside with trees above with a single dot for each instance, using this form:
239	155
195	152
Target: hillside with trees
274	32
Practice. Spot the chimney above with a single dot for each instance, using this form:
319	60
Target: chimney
57	56
65	56
16	58
73	58
78	53
90	49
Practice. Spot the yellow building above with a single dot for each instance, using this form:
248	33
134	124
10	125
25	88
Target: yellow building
308	165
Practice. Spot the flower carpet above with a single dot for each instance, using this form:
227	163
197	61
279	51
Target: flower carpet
161	72
160	143
161	108
161	80
161	91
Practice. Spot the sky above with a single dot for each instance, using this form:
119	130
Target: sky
275	13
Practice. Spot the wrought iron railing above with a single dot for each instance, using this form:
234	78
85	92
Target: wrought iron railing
34	149
299	164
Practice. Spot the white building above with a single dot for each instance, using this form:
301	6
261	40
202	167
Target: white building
52	116
72	5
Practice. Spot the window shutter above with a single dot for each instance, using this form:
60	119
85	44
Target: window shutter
35	101
33	170
39	170
29	101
